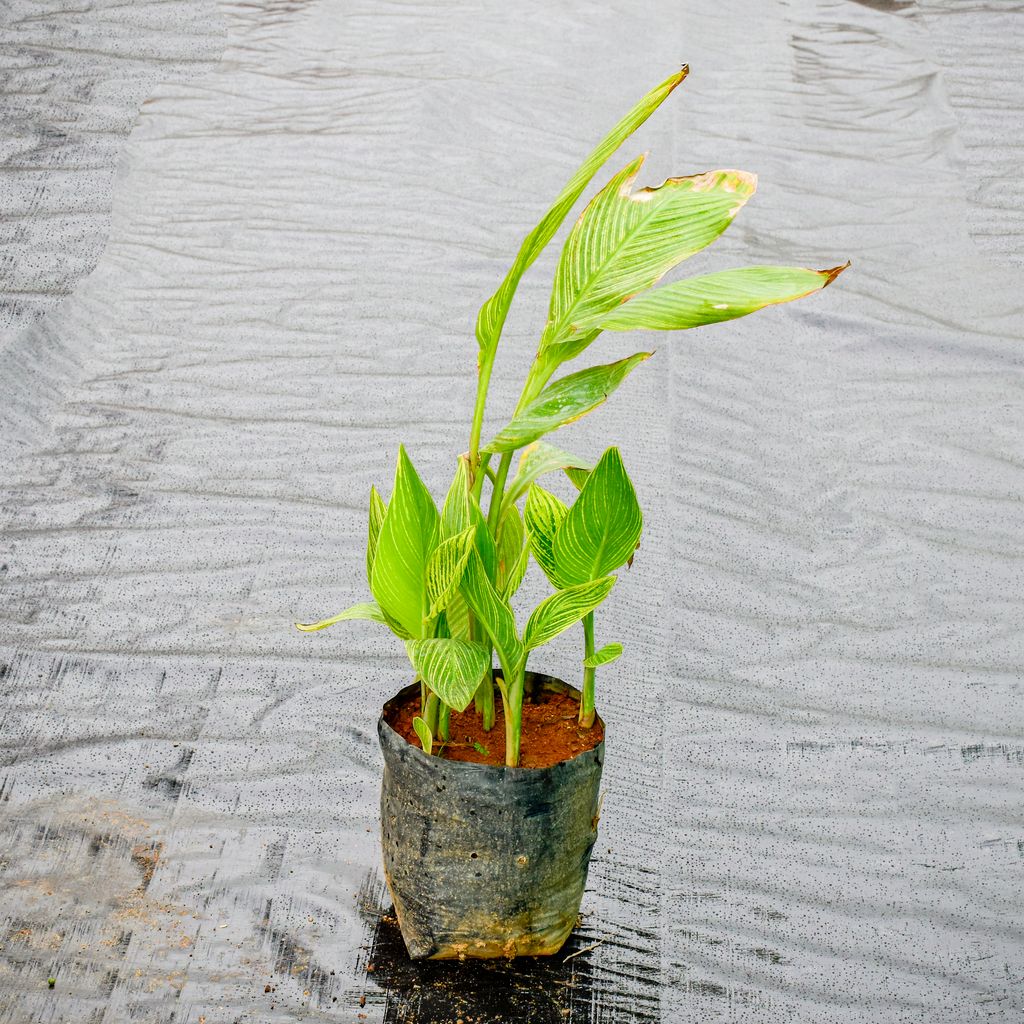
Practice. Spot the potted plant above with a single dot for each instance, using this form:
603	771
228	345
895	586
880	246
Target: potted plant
489	803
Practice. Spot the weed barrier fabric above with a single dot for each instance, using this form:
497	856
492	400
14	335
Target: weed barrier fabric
815	748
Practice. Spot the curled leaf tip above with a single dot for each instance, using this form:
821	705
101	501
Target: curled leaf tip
833	273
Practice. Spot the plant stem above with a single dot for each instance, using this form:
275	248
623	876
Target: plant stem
478	462
442	721
487	702
477	488
587	713
513	722
494	512
430	713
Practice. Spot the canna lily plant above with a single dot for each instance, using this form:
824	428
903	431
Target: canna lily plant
443	580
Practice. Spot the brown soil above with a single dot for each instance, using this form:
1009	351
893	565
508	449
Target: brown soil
550	732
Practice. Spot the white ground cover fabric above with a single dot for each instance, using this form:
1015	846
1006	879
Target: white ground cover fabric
816	736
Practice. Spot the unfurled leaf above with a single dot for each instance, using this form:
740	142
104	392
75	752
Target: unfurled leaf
601	530
423	732
378	510
605	656
445	568
542	516
563	609
625	241
577	477
511	541
484	541
455	514
716	297
536	460
407	537
369	611
563	402
492	315
458	618
451	668
494	615
515	578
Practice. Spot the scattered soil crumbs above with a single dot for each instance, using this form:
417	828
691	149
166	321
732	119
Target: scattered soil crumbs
550	732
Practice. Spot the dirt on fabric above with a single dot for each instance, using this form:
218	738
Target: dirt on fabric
550	731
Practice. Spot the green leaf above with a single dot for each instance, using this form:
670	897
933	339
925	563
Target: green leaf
369	611
455	514
445	568
494	615
423	731
714	298
457	616
493	312
407	537
577	477
484	541
511	542
451	668
605	656
536	460
563	609
625	241
603	526
543	515
378	510
563	402
515	578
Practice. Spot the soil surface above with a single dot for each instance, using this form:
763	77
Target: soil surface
550	732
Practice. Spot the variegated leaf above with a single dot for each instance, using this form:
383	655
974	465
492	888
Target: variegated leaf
536	460
423	732
494	615
602	528
511	540
369	610
407	537
605	656
451	668
543	514
714	298
445	568
493	312
563	609
458	618
577	477
455	513
485	545
378	510
563	402
625	241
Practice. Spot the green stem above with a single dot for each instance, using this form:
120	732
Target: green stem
430	713
482	384
487	702
478	482
494	512
540	373
442	721
587	713
513	722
